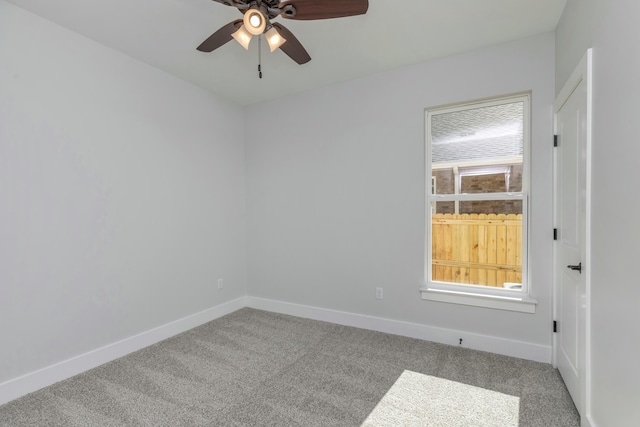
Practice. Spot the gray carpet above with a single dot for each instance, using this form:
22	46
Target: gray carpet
255	368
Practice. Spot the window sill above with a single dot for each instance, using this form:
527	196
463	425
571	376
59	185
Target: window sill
522	304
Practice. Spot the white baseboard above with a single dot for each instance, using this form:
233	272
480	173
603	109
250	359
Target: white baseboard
33	381
36	380
524	350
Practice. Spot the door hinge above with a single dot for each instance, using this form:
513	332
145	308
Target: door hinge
555	234
555	140
555	326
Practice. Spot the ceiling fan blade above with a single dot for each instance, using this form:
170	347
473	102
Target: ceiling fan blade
220	37
292	47
240	4
323	9
226	2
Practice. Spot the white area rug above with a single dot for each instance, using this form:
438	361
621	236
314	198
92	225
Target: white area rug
422	400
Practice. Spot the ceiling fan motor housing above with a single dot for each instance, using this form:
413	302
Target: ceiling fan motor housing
263	11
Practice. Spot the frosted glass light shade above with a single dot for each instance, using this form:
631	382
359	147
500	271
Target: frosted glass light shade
274	39
242	36
254	21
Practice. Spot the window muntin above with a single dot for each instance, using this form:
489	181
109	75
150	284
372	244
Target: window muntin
477	221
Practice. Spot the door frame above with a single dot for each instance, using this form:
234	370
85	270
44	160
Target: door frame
583	72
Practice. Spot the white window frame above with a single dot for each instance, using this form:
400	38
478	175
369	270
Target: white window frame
475	295
433	191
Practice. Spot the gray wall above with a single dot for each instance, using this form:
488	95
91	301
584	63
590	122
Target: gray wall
121	196
335	190
122	193
611	28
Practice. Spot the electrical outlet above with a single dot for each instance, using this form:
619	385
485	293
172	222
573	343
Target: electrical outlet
379	293
220	284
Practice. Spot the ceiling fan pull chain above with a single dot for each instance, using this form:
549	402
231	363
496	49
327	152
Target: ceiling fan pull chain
260	56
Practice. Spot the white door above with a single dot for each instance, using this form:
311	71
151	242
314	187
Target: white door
571	266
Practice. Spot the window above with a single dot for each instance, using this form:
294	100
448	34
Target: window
476	216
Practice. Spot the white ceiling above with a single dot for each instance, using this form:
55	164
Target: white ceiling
393	33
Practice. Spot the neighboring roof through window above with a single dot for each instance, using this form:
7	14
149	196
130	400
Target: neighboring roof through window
488	132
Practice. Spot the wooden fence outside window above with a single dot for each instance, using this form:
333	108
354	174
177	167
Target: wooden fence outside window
477	249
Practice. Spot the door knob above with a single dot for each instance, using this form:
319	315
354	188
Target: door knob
577	268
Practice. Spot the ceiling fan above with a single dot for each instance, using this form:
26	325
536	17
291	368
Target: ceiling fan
257	21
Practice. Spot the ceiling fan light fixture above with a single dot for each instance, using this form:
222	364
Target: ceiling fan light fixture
254	21
242	36
274	39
